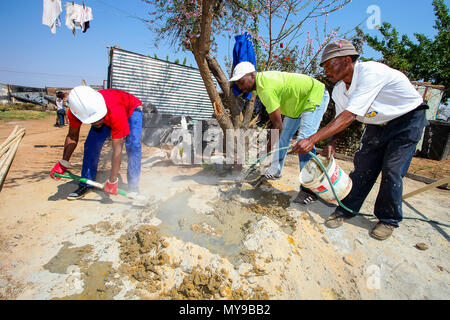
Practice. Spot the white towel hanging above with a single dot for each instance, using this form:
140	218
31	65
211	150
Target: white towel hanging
51	12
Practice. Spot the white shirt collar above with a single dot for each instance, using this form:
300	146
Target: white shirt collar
350	90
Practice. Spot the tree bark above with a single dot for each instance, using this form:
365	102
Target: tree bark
229	100
200	49
249	110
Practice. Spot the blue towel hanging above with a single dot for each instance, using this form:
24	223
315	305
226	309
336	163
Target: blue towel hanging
243	51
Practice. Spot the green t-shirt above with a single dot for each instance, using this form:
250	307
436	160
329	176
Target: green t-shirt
293	93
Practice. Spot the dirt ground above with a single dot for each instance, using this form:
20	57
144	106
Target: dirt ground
433	169
201	237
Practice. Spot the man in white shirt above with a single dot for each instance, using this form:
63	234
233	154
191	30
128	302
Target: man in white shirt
394	114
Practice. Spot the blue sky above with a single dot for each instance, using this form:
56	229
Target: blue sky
31	55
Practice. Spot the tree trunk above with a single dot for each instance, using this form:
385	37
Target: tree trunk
200	49
222	114
249	110
229	100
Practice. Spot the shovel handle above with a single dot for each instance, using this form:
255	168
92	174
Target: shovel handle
70	175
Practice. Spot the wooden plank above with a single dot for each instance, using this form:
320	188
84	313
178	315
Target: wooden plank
428	187
420	178
5	148
10	138
6	164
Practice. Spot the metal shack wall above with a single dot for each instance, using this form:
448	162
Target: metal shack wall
4	93
172	88
433	94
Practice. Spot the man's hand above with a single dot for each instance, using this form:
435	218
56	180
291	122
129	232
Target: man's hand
304	146
335	127
60	167
329	151
111	187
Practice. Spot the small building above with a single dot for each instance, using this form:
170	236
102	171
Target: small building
172	88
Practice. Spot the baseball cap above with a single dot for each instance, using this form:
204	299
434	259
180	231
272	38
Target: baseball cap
241	70
339	48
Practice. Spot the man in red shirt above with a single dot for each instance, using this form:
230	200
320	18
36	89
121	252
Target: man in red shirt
110	112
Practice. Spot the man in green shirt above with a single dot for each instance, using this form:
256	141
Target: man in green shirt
301	99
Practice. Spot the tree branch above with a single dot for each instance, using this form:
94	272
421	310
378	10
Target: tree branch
218	73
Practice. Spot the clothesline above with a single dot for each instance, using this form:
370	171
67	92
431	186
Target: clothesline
77	16
125	13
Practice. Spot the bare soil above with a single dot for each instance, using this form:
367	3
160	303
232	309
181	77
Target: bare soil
433	169
200	237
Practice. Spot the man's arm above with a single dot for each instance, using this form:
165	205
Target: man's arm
71	143
330	149
339	124
277	123
117	146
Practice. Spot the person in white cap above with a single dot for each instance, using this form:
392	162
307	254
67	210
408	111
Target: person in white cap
394	113
111	112
301	99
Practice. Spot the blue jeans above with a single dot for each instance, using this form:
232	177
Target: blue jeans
94	144
61	113
308	122
387	149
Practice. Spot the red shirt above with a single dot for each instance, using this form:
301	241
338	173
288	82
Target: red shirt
120	105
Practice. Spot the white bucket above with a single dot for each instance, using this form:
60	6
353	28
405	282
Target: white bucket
313	178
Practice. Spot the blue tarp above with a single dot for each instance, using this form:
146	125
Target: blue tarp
243	51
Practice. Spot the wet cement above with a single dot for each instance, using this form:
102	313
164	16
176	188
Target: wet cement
223	230
98	283
144	260
66	257
213	231
95	276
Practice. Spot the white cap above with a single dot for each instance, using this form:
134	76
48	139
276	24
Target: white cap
87	104
241	70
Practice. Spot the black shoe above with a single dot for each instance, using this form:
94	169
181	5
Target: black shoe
305	196
263	179
79	193
267	177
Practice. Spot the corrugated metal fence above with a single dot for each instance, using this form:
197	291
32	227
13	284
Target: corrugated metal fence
4	93
174	89
432	94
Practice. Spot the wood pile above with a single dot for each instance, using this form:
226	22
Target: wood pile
8	150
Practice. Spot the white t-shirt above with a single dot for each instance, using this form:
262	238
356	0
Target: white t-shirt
377	94
59	104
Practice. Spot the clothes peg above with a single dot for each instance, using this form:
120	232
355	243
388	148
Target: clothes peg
73	3
83	5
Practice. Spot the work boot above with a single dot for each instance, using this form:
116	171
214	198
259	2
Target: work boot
335	220
382	230
79	193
